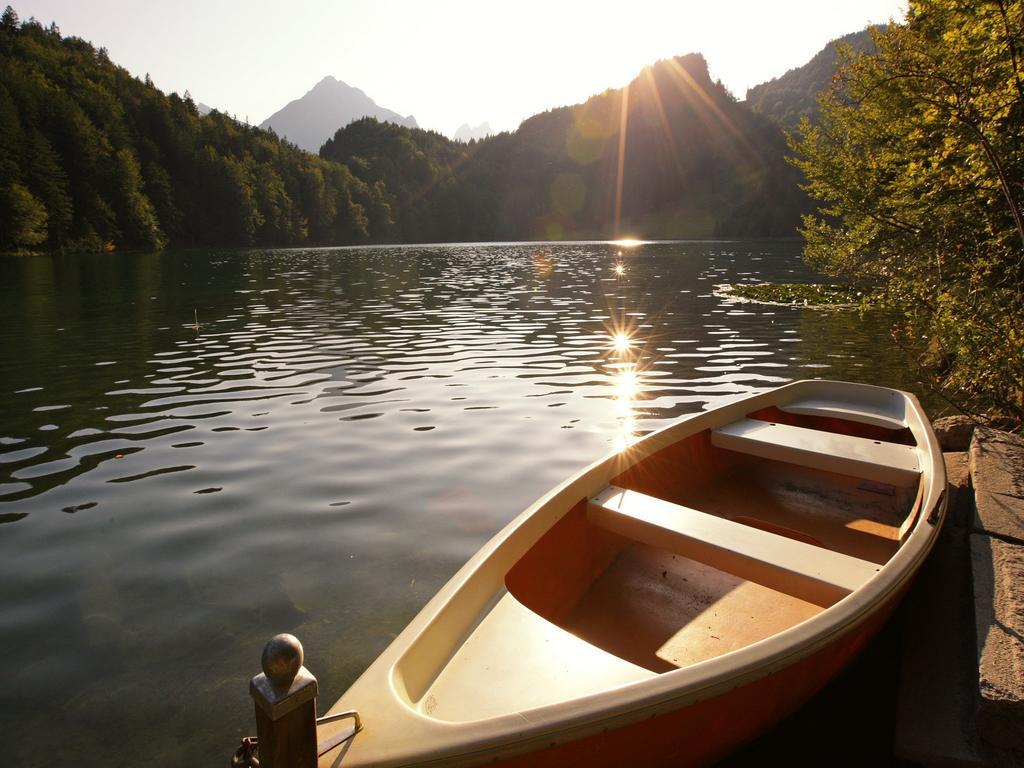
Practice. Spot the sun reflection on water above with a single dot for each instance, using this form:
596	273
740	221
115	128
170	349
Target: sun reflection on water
543	266
626	385
626	382
626	389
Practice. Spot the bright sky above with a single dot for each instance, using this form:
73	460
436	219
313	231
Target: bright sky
447	61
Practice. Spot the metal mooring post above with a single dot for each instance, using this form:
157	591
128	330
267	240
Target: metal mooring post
285	696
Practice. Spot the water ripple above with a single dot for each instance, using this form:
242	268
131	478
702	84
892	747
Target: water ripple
351	421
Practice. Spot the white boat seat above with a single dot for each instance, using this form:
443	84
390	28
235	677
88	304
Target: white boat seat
811	573
890	415
848	455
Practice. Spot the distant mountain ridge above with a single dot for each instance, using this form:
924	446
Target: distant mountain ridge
672	155
331	104
790	97
467	133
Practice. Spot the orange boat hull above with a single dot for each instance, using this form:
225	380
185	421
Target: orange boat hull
705	732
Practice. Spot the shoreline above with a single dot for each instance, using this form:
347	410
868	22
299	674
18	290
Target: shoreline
730	291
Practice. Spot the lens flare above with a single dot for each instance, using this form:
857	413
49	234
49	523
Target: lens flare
620	269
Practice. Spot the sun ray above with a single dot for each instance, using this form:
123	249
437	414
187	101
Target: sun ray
662	117
686	84
623	123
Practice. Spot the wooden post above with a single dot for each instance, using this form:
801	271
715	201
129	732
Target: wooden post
285	696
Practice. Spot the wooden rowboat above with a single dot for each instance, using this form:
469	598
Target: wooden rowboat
671	601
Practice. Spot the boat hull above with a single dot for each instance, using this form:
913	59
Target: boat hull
672	601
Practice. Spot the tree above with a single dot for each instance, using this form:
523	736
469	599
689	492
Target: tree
919	159
9	21
135	211
48	181
22	218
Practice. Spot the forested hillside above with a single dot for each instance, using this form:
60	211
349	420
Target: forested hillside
789	98
671	155
419	171
92	158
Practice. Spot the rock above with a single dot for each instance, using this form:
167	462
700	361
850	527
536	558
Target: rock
958	488
997	461
997	472
998	571
954	432
999	515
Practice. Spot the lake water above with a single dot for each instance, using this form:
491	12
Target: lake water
342	430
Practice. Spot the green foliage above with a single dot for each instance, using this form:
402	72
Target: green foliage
135	209
92	158
46	176
22	218
416	167
918	158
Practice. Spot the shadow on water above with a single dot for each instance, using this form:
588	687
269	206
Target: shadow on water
343	429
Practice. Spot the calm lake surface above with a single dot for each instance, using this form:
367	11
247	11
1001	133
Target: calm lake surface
341	432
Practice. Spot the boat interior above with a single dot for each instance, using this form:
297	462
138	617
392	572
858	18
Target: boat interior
718	541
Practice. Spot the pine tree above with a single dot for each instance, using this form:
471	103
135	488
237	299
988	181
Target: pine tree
9	20
22	218
47	180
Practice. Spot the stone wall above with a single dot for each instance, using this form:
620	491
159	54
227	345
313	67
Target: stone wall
997	566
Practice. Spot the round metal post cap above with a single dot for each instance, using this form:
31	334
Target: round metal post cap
282	659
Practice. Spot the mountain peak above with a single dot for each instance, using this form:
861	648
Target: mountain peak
467	133
328	82
692	64
331	104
